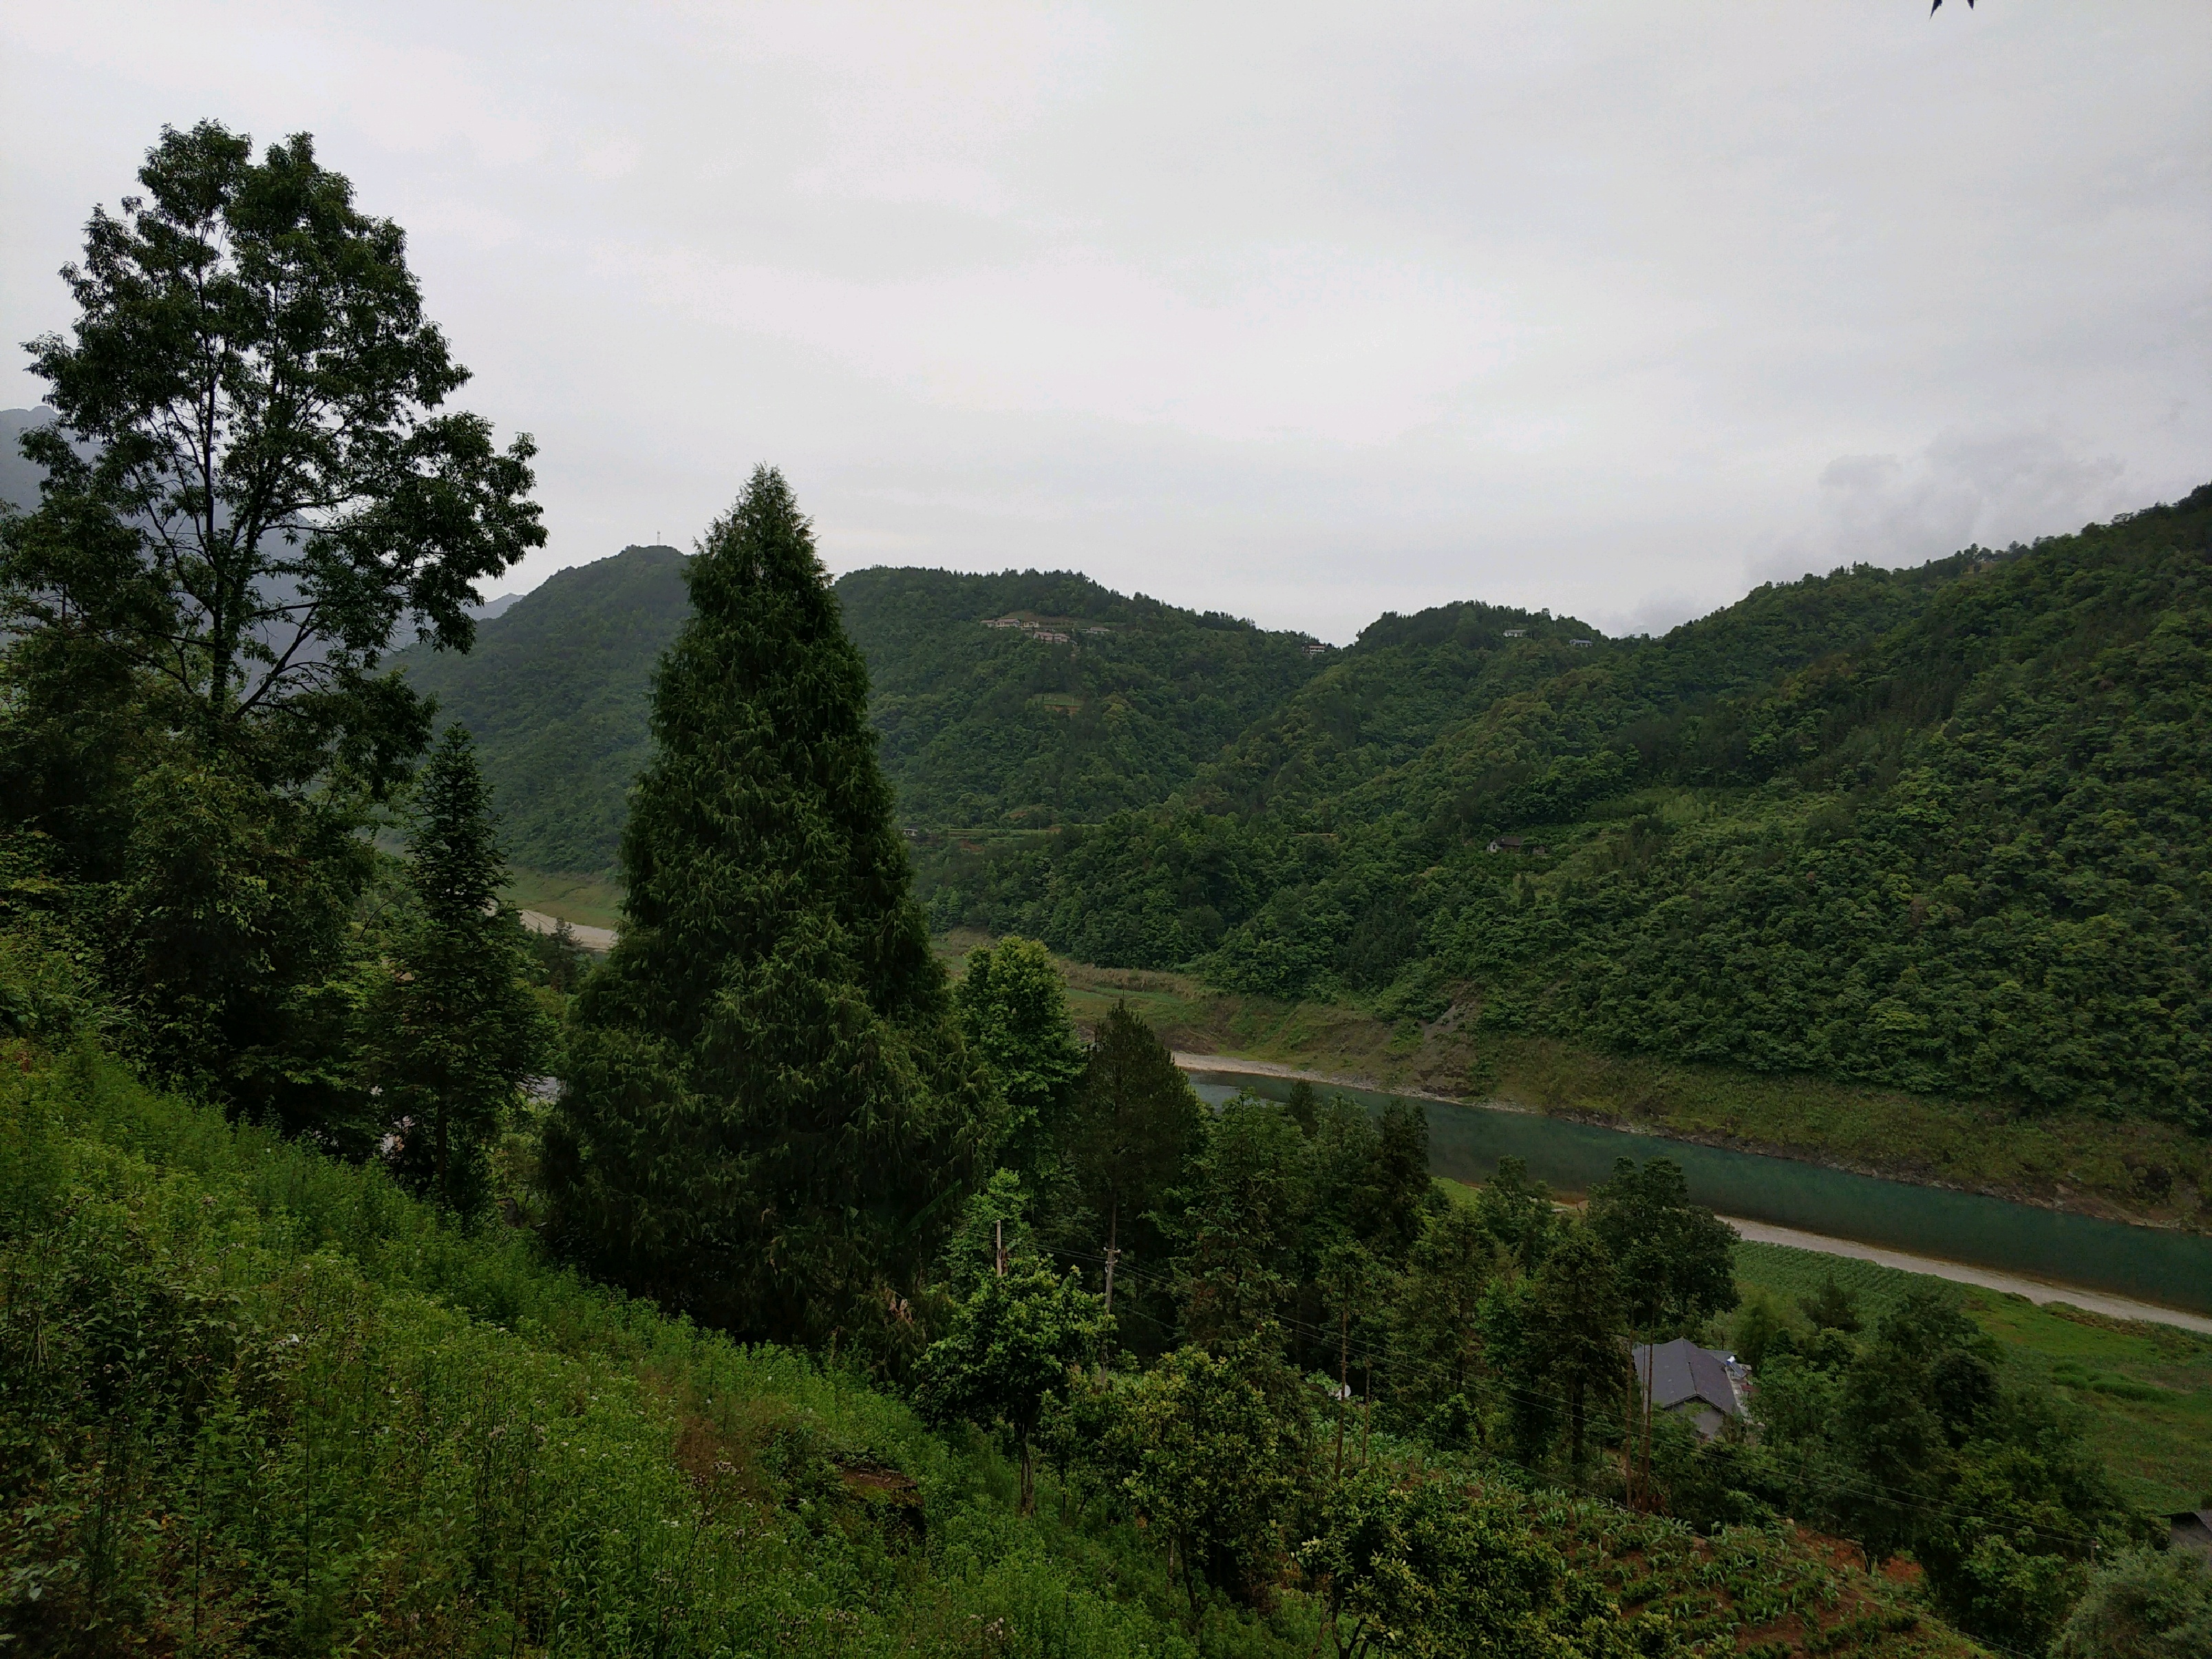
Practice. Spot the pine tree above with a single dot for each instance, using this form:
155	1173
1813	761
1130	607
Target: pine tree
770	1119
452	1029
1134	1122
1581	1331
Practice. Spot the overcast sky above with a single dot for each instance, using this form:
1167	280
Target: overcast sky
1301	311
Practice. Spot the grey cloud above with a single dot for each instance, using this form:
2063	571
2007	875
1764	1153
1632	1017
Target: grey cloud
1302	317
1990	488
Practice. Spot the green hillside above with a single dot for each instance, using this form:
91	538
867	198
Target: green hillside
1940	830
555	694
1013	725
1945	830
1088	703
261	1400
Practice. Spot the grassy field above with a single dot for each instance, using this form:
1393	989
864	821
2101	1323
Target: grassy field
2127	1171
2145	1389
585	901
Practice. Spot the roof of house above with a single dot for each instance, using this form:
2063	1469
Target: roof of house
1680	1370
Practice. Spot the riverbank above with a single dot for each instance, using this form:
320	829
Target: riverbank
2146	1174
580	901
2040	1292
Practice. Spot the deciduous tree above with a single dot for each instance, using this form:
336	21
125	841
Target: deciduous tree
1012	1005
1014	1341
252	488
1211	1468
1676	1259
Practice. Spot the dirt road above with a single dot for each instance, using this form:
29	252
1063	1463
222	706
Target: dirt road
601	939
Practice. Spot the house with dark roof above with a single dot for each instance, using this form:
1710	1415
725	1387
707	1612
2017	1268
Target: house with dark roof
1697	1385
2190	1529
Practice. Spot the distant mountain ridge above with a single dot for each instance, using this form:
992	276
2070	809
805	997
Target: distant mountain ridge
984	726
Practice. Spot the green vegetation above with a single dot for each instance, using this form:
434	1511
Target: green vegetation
2145	1391
251	483
267	1403
1941	831
2143	1606
260	1401
1231	1382
982	727
555	692
2130	1169
769	1110
985	727
580	901
450	1025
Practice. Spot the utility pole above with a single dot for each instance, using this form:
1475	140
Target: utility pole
1113	1232
1367	1412
1343	1378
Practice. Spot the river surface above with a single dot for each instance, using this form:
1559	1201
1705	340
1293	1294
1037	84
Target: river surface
2146	1264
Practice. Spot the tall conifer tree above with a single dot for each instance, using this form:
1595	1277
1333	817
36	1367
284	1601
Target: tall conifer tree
770	1119
453	1030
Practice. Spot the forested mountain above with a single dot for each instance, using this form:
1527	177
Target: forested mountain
1043	698
1022	698
555	692
1946	829
1942	829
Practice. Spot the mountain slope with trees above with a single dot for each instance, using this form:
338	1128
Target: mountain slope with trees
1093	703
1087	703
554	692
1944	829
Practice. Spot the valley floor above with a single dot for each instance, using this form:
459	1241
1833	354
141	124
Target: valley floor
2150	1174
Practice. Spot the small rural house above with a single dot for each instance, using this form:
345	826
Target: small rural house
1697	1385
2190	1529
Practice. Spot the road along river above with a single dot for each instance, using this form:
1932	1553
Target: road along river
601	939
2107	1267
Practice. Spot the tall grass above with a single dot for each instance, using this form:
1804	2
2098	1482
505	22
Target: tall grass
257	1399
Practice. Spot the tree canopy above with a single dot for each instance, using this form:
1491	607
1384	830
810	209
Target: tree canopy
770	1118
253	487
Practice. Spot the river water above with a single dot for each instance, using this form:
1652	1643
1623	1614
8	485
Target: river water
1465	1143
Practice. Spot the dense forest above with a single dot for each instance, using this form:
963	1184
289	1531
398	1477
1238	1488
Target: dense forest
1085	703
1945	830
1941	829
